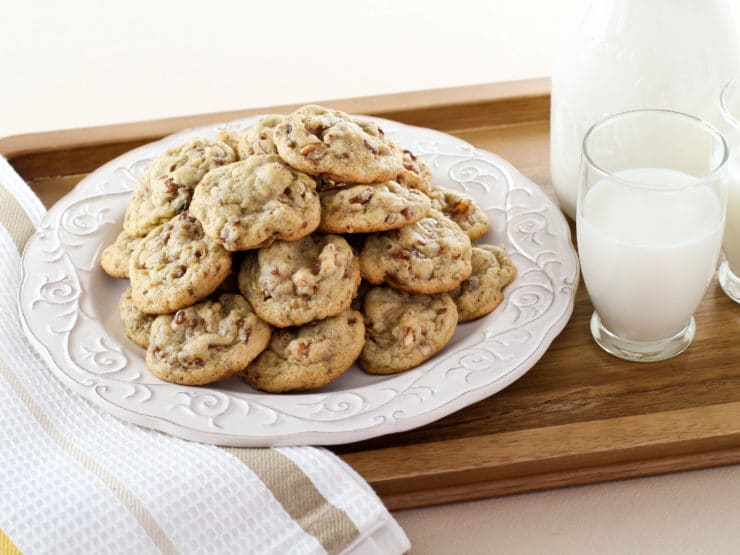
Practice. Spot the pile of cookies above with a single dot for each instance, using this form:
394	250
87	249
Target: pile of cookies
288	252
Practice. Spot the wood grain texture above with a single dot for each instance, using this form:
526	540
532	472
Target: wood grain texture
579	415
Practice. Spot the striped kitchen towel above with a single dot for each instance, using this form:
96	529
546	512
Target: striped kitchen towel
74	479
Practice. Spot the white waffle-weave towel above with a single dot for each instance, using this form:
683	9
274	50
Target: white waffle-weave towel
74	479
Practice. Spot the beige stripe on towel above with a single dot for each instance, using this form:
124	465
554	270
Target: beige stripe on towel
15	219
330	525
7	547
125	496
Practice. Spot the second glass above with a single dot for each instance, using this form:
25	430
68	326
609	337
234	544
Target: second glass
650	219
729	272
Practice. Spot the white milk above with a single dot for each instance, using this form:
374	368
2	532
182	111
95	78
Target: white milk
620	55
731	241
647	258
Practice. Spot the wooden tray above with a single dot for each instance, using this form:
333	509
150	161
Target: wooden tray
579	416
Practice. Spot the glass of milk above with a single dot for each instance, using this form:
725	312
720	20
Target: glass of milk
650	218
729	271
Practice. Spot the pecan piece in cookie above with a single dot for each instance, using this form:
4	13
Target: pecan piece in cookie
206	342
332	145
175	266
252	203
403	330
290	284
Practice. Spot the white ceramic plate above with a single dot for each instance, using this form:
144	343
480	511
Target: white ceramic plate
69	309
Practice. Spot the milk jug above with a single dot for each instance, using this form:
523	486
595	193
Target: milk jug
618	55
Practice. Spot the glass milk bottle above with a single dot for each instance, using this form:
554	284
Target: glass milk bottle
620	55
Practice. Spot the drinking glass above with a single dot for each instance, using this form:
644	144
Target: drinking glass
650	219
729	271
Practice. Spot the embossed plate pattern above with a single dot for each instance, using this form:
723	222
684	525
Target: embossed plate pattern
69	309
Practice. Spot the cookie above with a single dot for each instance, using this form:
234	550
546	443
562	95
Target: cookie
252	203
138	324
430	256
415	173
231	137
402	330
258	138
290	284
310	356
481	292
175	266
372	207
115	258
167	186
332	145
206	342
462	210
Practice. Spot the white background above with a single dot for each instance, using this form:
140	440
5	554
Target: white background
80	63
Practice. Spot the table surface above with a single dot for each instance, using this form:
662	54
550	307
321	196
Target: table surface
141	60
